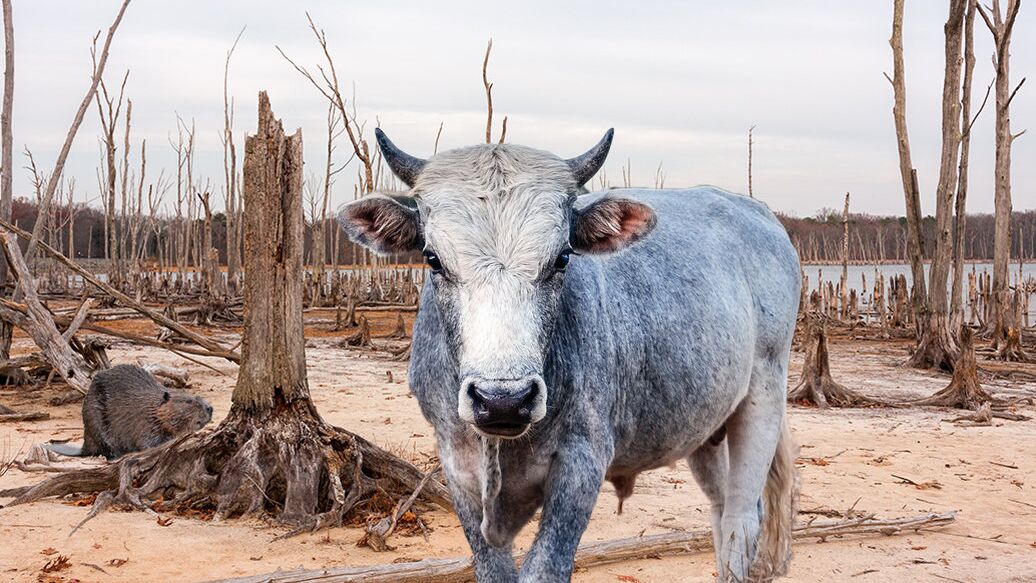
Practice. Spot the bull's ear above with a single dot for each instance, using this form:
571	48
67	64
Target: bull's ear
383	224
611	224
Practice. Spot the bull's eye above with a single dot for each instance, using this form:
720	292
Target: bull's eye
433	261
562	261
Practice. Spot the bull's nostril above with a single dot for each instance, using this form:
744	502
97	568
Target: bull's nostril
527	398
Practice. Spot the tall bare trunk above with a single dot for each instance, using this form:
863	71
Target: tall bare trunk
937	347
915	241
844	280
1001	27
273	355
960	209
7	162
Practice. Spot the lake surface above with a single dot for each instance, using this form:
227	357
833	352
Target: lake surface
833	273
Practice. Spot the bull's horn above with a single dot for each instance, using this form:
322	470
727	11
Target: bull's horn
403	165
585	166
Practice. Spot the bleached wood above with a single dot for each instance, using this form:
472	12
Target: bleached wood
459	570
40	325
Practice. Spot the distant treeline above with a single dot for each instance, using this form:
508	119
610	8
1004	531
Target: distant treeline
818	238
162	239
883	239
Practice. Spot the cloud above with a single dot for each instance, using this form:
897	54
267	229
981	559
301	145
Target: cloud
680	81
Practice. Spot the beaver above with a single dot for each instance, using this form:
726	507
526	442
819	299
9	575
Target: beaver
127	410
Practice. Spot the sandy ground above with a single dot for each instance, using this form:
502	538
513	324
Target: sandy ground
849	459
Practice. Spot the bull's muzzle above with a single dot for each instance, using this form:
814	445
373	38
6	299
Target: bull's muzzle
503	407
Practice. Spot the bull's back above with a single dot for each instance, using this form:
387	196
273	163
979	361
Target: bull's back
689	310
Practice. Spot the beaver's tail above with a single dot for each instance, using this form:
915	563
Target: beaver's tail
66	449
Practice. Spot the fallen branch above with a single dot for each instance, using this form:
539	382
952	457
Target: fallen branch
40	325
15	312
378	532
457	570
157	317
32	416
77	320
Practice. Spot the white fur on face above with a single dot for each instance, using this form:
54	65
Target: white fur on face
497	217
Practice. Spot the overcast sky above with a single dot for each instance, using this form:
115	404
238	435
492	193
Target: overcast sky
680	81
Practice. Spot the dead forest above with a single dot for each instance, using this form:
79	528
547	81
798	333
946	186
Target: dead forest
210	287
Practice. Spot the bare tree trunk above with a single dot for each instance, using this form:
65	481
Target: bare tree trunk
915	239
59	164
960	210
750	130
1001	28
844	280
273	354
273	454
39	323
230	176
936	346
7	163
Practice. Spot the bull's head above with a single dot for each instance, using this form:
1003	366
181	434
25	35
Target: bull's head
498	228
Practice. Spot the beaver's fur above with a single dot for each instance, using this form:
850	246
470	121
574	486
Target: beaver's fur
127	410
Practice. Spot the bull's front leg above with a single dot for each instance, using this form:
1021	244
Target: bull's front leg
491	563
570	493
460	461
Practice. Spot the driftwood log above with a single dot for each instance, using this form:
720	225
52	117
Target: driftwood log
459	570
39	324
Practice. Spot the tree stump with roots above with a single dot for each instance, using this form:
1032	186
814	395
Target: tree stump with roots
273	455
1011	348
816	386
936	347
964	390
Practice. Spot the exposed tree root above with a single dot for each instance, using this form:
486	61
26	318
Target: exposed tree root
288	465
816	386
360	338
936	348
1011	349
964	390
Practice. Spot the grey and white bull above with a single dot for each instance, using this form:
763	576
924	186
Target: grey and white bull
563	340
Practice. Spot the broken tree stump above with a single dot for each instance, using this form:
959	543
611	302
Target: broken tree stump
964	390
816	386
273	455
400	331
362	337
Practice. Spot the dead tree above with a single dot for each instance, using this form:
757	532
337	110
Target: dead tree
816	386
960	205
843	282
936	346
750	130
1011	347
273	454
1001	25
109	108
329	88
489	100
230	176
6	158
39	324
914	238
77	120
964	390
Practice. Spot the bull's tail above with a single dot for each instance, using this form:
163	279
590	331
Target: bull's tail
780	505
